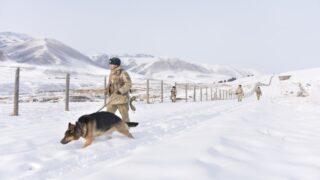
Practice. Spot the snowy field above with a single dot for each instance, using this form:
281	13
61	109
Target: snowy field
275	138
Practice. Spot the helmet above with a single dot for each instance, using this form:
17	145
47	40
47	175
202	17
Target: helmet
115	61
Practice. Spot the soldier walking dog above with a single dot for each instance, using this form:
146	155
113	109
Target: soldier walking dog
118	89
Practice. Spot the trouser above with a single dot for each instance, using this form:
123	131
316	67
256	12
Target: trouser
258	96
123	109
239	98
173	98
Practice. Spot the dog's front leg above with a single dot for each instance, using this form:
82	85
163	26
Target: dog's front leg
89	137
88	142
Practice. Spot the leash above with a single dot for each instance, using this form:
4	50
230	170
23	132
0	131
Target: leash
106	104
133	108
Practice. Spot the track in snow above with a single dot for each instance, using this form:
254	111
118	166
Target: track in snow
32	143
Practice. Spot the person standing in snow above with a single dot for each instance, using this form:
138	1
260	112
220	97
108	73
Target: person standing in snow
173	96
118	89
258	93
239	93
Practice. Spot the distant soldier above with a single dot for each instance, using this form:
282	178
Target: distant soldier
239	93
173	94
258	92
118	89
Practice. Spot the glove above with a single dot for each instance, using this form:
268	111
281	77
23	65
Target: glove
118	92
107	91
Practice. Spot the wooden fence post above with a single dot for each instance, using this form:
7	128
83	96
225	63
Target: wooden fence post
161	91
67	92
16	94
206	94
194	93
186	92
222	93
216	94
211	94
225	92
219	94
148	102
200	93
177	91
105	88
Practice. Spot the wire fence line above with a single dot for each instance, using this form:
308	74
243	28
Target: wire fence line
69	88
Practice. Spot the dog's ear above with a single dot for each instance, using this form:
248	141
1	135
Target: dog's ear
71	126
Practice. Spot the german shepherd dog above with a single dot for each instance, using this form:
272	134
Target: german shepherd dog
95	124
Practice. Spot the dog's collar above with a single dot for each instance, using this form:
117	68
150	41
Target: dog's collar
83	131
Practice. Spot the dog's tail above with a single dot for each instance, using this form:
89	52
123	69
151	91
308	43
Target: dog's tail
132	124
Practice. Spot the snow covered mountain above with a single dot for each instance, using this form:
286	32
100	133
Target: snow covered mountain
9	38
101	60
128	61
173	68
46	52
50	53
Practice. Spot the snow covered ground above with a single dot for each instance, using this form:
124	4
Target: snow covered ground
275	138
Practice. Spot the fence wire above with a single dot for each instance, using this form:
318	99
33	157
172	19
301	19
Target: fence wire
50	87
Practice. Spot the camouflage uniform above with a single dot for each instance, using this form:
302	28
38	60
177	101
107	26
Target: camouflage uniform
239	93
173	94
119	81
258	92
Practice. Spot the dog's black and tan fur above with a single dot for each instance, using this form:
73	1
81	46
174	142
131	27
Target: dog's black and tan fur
96	124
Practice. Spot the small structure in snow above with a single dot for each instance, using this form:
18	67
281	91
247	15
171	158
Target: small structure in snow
284	77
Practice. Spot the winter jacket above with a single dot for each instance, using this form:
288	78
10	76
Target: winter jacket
239	91
258	92
119	86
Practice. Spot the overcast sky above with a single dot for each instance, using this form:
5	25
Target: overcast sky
269	36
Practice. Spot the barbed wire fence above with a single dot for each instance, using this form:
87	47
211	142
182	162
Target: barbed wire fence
88	88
